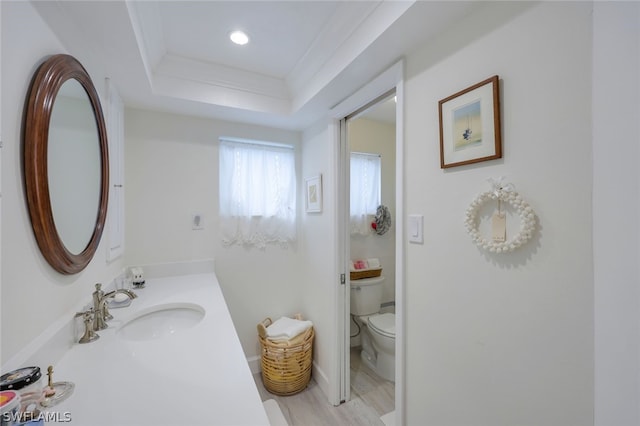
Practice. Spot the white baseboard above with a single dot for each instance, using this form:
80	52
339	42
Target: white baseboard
321	379
274	413
254	364
389	419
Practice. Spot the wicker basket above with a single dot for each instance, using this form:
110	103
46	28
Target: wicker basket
286	365
365	273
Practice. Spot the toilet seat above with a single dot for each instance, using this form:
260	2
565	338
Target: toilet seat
384	324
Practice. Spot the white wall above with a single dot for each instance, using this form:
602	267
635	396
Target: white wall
504	339
324	296
171	165
318	252
378	138
33	294
616	209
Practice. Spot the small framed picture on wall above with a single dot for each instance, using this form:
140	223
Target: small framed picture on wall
314	194
470	125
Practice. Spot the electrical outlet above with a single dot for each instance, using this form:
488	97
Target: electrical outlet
197	221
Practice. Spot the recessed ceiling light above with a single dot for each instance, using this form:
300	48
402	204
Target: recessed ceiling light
239	37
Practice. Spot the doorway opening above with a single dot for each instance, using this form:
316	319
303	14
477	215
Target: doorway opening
357	125
372	239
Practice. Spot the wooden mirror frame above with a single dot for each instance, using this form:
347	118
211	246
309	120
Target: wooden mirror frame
40	100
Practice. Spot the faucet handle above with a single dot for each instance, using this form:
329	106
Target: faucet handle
87	317
84	313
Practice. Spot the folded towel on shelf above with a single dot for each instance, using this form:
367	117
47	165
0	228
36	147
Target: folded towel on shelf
373	263
286	328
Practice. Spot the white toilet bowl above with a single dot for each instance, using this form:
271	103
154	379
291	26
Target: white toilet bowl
381	329
378	330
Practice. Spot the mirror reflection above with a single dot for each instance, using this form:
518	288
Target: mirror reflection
74	163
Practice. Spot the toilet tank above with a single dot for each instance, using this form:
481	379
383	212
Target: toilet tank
366	296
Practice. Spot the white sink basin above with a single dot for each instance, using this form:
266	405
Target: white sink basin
161	321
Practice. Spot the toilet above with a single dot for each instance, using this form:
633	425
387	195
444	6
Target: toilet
378	329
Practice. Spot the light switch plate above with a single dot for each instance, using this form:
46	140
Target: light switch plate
415	229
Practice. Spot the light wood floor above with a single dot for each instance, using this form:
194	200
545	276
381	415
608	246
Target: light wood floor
371	397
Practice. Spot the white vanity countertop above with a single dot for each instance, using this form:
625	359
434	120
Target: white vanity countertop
196	376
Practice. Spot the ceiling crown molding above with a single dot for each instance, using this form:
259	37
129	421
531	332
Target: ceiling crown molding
162	56
219	85
382	15
352	27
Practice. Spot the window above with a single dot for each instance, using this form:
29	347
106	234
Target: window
365	191
257	193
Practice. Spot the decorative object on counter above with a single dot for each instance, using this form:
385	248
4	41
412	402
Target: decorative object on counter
382	221
116	302
314	194
22	380
286	364
501	192
49	390
124	281
26	383
137	277
55	393
470	125
30	410
9	407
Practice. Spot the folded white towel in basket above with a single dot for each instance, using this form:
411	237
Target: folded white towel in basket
373	263
286	328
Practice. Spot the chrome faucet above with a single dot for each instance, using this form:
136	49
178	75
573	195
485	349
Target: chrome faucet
101	311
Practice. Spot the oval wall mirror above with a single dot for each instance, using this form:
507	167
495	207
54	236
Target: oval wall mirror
66	163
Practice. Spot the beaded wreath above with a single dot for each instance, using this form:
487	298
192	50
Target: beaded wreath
525	212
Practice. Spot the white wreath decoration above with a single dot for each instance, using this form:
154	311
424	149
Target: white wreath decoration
503	192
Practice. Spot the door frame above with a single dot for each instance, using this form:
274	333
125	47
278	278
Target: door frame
392	78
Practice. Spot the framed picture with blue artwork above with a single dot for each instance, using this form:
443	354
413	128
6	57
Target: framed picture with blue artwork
470	125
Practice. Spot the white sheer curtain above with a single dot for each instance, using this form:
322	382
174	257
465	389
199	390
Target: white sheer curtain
365	191
257	193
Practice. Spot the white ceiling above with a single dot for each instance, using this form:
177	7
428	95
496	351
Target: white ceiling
280	38
304	57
